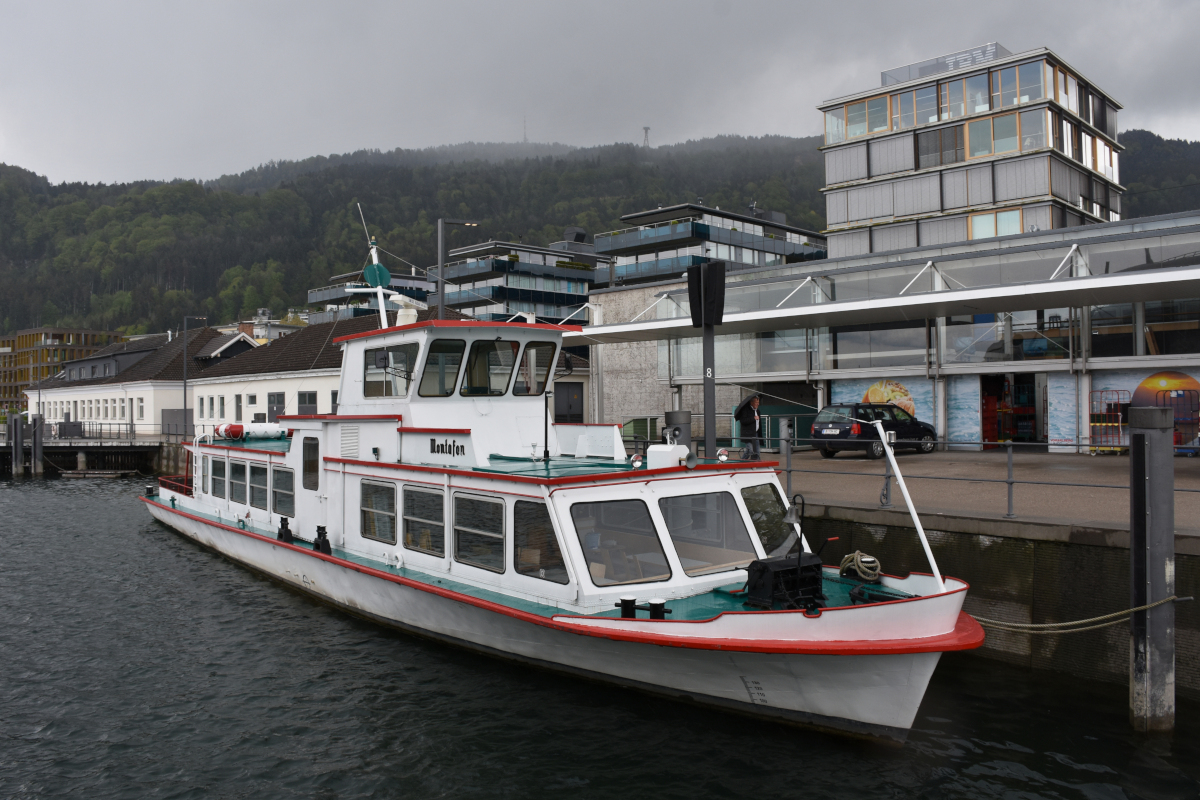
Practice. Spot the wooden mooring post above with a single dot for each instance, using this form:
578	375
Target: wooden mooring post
1152	568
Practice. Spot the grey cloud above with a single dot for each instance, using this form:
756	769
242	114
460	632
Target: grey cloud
120	92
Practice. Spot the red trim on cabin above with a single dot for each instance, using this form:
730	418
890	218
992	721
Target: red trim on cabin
631	476
590	424
967	633
396	417
241	449
460	323
456	431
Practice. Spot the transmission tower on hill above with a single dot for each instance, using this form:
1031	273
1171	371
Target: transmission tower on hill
646	140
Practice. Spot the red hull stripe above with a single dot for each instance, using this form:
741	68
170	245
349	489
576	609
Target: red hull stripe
387	417
591	424
967	633
460	323
631	476
455	431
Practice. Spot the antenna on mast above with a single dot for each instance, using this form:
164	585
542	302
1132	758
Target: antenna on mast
646	141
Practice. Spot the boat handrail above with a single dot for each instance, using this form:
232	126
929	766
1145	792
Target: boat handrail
887	448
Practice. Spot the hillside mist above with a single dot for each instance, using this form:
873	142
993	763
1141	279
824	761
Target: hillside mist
138	256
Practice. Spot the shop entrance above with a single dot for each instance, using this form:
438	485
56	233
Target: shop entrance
1013	407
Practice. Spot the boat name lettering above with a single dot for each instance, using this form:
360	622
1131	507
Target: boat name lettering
447	447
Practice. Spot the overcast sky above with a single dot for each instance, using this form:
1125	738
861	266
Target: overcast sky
112	91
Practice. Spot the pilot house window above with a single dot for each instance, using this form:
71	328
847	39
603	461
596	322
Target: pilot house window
488	368
442	362
620	542
535	366
390	371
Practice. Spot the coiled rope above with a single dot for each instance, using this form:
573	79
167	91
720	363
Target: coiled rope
867	567
1105	621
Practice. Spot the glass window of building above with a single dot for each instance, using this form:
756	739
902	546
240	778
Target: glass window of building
902	111
424	529
951	99
835	126
620	542
479	532
1033	129
535	547
442	363
378	512
708	532
877	114
1029	80
1172	327
856	119
926	101
1004	133
979	138
977	94
1004	87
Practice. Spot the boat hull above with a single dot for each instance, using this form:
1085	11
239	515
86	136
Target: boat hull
875	694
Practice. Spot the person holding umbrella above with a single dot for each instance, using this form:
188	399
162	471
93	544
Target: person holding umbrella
751	428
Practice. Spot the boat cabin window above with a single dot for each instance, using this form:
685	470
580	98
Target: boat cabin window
488	368
258	486
390	371
283	492
620	542
535	548
312	463
766	509
218	477
479	532
708	532
378	508
237	481
441	367
204	475
536	362
424	525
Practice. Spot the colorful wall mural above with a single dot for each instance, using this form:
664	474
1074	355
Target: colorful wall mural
964	423
914	395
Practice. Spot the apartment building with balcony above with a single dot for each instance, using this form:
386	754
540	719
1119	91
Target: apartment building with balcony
660	244
972	145
497	280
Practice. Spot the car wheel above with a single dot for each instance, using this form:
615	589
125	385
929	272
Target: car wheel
927	444
875	449
827	453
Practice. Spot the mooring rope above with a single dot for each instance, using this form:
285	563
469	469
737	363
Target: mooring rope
1115	618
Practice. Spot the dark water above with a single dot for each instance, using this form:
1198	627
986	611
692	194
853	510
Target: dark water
135	664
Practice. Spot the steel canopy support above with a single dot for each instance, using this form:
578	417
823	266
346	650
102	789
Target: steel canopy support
1152	568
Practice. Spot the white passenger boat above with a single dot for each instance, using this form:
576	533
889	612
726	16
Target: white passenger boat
439	500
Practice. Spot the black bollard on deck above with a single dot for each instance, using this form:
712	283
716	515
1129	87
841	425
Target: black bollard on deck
1152	568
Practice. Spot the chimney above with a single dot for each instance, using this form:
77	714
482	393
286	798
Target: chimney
246	328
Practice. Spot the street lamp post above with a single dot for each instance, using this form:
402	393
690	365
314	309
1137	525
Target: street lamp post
185	363
441	257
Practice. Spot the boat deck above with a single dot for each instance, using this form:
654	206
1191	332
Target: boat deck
698	607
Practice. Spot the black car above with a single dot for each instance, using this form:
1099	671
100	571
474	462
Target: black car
850	426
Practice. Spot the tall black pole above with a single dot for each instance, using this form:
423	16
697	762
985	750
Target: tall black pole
441	255
185	416
710	392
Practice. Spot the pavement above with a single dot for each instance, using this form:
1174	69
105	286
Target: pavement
853	480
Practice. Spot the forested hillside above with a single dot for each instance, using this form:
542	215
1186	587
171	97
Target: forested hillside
137	257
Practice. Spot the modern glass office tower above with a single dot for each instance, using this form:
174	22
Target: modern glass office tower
968	146
662	243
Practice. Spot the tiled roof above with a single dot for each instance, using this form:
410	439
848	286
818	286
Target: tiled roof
165	364
216	344
312	347
139	345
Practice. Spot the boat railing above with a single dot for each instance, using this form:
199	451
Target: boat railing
181	484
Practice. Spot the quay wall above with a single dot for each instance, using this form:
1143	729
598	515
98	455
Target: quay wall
1031	573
